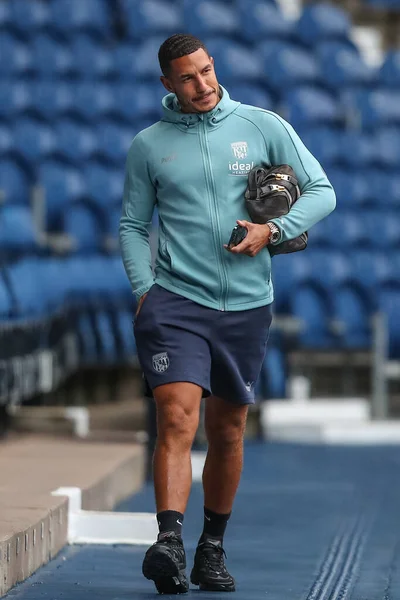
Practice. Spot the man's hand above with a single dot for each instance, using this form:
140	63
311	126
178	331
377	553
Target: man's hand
139	306
256	239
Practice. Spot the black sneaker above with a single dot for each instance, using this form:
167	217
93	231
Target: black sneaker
165	564
209	571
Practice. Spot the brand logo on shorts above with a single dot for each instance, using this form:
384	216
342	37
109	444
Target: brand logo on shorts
160	362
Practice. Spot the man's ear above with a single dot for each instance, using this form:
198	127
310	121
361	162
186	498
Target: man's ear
166	83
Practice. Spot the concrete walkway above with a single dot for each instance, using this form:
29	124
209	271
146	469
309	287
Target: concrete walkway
33	523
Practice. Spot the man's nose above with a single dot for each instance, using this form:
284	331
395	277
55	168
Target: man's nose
201	84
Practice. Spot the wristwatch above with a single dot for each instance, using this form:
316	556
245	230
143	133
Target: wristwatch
275	233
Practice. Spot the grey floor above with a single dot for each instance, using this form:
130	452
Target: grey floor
310	523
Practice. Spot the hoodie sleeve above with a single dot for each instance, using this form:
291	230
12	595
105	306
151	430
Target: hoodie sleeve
317	198
137	211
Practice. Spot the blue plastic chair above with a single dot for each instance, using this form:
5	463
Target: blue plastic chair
251	93
34	141
50	57
71	16
262	20
352	188
379	107
50	100
322	21
15	57
389	72
91	59
114	141
84	227
17	232
92	101
324	143
329	268
29	16
352	313
308	106
14	99
272	381
74	142
387	140
234	60
14	186
388	222
206	18
144	59
6	142
288	272
370	269
357	149
5	15
6	304
30	287
145	18
125	318
138	101
342	65
310	305
287	65
62	187
104	185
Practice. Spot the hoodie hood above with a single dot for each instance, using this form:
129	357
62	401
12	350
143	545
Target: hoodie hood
173	113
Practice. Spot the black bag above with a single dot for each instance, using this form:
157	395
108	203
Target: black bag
271	193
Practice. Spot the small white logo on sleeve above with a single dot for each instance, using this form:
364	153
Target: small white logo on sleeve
160	362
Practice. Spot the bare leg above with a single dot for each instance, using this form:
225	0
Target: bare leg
225	425
178	406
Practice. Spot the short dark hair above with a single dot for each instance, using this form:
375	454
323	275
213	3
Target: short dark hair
176	46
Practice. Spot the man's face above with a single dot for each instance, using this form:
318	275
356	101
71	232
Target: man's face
192	78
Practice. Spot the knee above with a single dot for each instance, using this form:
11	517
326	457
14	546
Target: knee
176	423
226	435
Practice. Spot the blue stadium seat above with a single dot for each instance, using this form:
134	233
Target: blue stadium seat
352	312
378	108
15	58
388	222
91	59
74	142
387	140
385	187
71	16
34	141
29	16
292	65
311	306
51	99
352	187
114	141
17	232
104	185
6	142
107	352
328	268
14	99
234	60
62	187
126	333
389	73
322	21
50	58
250	93
288	272
92	101
83	225
113	217
14	187
323	142
272	381
370	269
5	15
6	304
352	229
206	18
262	20
320	237
308	106
357	149
30	287
137	101
341	65
389	302
143	57
145	18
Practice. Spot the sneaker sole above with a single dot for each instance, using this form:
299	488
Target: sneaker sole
168	579
212	587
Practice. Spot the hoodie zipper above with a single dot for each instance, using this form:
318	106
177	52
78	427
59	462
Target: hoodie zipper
223	277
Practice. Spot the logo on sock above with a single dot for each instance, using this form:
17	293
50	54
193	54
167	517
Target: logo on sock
178	521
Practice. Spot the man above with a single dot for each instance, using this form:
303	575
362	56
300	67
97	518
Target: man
203	317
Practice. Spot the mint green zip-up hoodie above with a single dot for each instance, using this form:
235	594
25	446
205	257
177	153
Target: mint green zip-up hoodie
194	168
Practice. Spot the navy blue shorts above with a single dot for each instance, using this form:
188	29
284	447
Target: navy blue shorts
180	340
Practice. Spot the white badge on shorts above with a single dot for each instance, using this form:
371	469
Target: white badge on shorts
160	362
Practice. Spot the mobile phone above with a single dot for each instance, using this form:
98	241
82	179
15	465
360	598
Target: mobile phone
238	234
